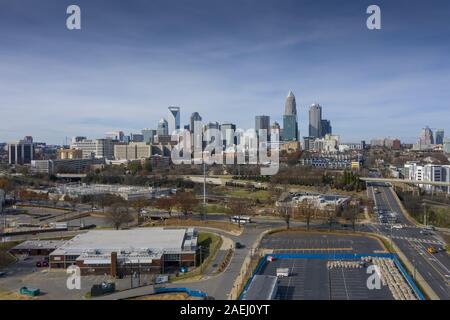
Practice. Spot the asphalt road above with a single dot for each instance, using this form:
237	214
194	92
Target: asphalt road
434	268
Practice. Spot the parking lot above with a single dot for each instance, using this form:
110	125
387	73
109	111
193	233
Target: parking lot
310	279
302	242
53	283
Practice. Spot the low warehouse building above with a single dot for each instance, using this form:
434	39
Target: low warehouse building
120	252
37	247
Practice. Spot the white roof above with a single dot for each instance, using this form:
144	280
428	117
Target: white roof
142	239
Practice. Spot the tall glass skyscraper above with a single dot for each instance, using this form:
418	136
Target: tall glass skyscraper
315	121
174	119
290	124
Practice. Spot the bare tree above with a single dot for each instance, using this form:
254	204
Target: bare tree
239	207
306	211
119	214
186	202
166	204
286	211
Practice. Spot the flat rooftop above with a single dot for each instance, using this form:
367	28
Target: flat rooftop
262	287
143	239
39	244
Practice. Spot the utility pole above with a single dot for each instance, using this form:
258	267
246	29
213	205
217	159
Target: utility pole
425	214
204	190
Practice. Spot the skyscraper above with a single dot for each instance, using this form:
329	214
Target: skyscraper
315	120
290	125
174	119
148	135
21	152
325	128
439	136
227	131
262	122
163	129
194	117
426	137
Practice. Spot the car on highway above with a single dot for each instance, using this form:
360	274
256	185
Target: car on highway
397	226
431	250
425	232
2	274
431	228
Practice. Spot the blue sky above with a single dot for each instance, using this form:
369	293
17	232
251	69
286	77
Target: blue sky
228	60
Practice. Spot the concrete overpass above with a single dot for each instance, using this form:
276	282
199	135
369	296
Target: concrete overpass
388	180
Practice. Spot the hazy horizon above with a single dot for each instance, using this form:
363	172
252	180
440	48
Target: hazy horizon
227	60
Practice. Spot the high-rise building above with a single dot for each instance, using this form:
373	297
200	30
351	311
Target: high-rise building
262	123
325	128
290	124
194	117
227	132
446	145
136	137
115	135
163	128
174	119
21	152
439	136
99	148
315	120
149	135
425	141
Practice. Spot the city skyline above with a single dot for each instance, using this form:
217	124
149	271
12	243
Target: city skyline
123	73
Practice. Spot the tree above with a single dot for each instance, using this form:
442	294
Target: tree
118	214
239	207
166	204
186	202
305	210
285	211
139	204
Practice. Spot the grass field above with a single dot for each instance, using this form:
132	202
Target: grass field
210	244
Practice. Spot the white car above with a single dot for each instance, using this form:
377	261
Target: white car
397	226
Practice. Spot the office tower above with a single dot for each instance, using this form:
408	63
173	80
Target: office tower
315	120
290	125
308	143
439	136
194	117
262	122
174	119
227	131
163	128
78	139
21	152
325	126
275	126
426	137
446	145
137	137
99	148
149	135
208	131
115	135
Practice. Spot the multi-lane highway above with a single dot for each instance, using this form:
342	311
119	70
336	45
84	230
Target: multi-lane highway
433	267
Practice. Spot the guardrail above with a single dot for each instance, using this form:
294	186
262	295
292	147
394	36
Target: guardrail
192	293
